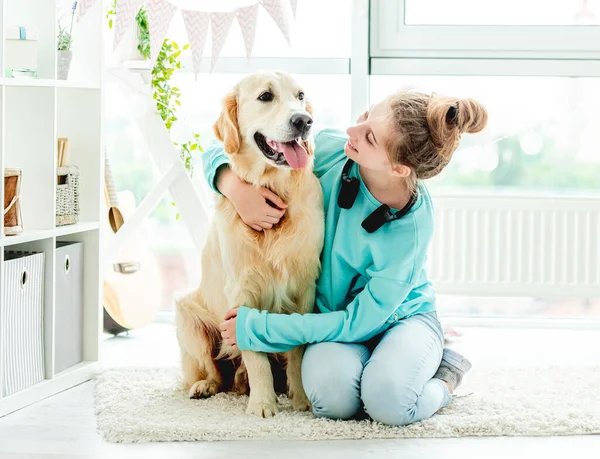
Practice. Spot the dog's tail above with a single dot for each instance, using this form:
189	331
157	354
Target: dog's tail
196	326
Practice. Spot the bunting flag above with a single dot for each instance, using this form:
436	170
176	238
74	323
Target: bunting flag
125	12
294	5
160	14
196	25
247	18
83	6
277	11
220	23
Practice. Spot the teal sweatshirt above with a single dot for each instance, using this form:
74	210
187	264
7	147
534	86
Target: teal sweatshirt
368	280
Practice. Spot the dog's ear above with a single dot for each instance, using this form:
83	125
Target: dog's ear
226	128
309	108
309	144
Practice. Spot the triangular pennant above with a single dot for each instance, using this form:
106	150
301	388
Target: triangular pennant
294	5
247	19
220	24
124	14
277	11
160	13
196	25
83	6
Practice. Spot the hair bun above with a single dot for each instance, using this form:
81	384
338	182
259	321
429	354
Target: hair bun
471	116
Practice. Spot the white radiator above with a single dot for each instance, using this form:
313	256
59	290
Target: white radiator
514	246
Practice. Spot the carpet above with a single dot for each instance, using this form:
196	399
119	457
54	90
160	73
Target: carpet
145	405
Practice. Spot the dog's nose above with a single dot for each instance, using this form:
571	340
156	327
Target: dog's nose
301	122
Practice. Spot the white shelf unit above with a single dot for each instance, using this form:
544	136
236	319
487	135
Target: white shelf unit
35	112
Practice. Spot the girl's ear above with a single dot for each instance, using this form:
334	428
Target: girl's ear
400	170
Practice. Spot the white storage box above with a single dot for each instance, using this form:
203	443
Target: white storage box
22	325
21	50
68	316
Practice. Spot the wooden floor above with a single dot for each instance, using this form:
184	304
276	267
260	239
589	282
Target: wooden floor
63	426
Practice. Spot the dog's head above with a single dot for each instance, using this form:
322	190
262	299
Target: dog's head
268	112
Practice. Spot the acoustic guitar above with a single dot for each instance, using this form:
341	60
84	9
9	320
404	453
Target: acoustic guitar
132	281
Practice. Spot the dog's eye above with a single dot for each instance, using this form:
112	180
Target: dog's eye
266	96
301	95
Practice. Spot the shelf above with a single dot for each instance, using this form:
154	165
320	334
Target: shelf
26	236
36	235
46	83
77	228
80	373
34	113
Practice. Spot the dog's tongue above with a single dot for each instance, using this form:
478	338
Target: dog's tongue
295	154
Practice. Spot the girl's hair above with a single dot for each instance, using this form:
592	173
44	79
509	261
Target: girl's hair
428	129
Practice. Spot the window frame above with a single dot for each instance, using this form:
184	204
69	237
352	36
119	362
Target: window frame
391	37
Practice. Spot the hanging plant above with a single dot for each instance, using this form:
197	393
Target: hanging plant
164	94
141	21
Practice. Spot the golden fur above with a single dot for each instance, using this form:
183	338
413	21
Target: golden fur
274	269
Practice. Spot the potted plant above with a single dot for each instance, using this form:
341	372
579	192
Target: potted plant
64	42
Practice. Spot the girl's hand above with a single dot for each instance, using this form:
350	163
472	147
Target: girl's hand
251	203
228	328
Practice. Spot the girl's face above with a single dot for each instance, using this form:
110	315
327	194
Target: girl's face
365	145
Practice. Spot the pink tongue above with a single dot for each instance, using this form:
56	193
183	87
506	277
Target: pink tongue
295	154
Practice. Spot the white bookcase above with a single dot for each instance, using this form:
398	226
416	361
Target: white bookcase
34	114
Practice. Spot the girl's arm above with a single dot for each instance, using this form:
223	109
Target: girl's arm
250	203
388	290
363	318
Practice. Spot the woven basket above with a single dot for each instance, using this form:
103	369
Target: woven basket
67	196
13	220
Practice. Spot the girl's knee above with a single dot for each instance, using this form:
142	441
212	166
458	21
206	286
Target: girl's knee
333	393
331	384
387	399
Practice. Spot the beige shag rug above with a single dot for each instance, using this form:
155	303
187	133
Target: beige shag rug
145	405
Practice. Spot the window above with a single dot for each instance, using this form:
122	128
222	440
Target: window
541	134
502	12
518	307
201	100
535	66
501	29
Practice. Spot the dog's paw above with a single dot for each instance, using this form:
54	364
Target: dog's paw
240	382
203	389
300	402
264	407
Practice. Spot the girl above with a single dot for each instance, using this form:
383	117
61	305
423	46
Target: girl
376	343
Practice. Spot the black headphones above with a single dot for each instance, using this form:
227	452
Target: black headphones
380	216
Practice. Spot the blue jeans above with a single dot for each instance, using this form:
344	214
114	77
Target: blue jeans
389	376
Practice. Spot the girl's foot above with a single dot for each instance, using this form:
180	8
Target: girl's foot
452	369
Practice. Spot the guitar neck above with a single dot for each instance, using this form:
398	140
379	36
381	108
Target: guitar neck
111	190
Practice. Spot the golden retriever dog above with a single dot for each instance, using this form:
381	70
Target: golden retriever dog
265	127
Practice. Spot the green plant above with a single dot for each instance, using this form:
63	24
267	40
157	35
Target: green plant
143	33
65	37
141	19
112	10
164	94
167	96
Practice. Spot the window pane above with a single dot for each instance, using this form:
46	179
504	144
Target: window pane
321	29
201	100
502	12
518	307
541	134
167	255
